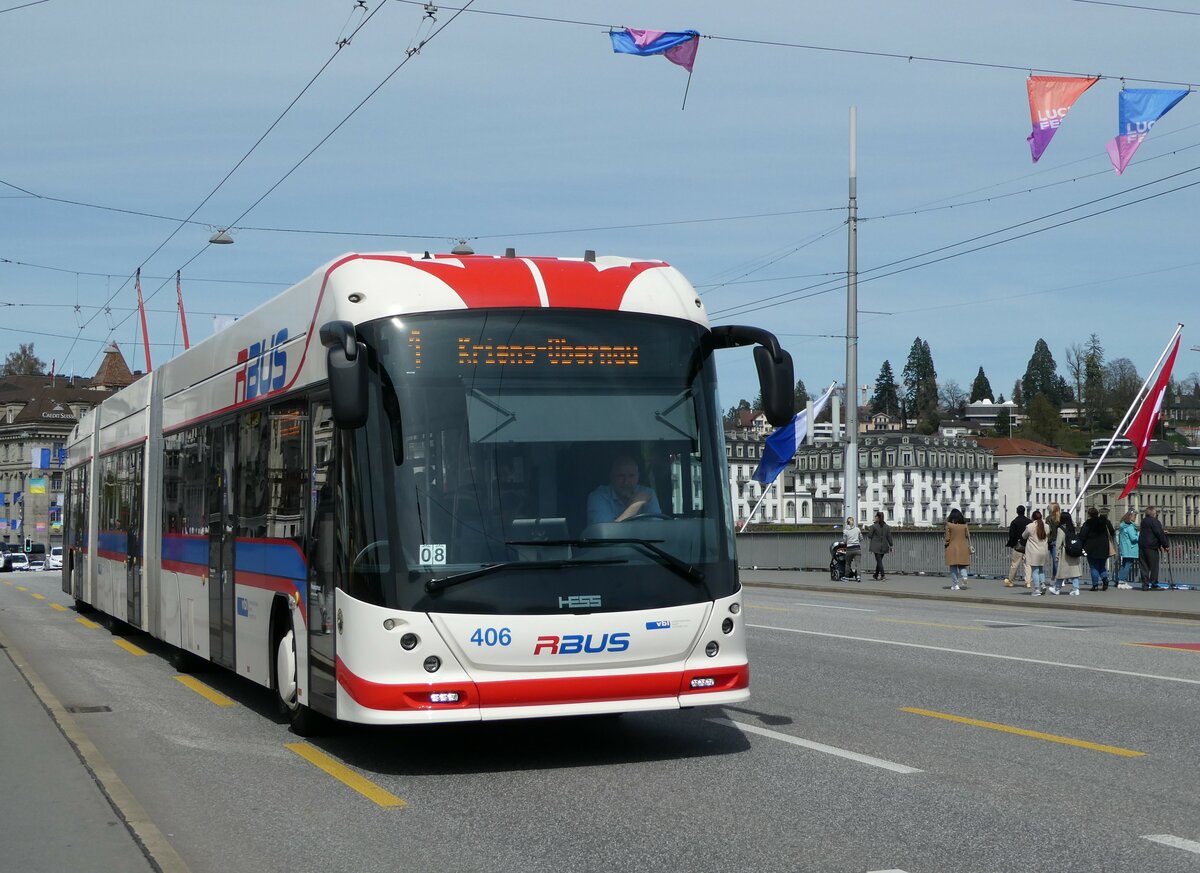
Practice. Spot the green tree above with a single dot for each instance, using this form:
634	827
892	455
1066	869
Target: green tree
886	397
1041	377
1045	420
1017	394
1003	426
981	388
801	395
1121	381
23	362
920	387
1095	393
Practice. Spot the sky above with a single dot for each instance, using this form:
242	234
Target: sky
516	125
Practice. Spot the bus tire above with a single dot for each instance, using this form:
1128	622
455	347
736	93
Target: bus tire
183	661
304	722
83	608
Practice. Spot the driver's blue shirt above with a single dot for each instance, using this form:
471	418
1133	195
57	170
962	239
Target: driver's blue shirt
605	505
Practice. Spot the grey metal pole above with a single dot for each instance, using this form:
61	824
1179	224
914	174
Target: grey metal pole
851	465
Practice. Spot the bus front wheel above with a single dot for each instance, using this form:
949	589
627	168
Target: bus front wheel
303	720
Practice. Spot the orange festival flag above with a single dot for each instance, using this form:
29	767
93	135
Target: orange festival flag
1050	99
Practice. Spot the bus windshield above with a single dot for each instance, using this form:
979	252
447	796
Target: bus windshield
530	461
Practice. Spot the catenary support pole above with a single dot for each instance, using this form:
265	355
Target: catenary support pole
850	467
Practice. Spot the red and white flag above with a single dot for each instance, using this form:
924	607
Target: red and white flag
1141	429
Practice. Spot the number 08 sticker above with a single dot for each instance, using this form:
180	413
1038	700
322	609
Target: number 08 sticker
432	554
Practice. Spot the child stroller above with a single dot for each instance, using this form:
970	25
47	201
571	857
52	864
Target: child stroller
837	562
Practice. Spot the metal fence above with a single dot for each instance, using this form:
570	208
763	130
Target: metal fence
923	552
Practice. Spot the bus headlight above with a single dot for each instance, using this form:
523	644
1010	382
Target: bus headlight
727	626
735	608
432	664
408	642
712	648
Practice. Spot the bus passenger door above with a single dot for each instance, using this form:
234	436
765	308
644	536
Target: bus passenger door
222	462
133	550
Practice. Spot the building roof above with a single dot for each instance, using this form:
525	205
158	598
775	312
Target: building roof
113	371
45	409
1012	446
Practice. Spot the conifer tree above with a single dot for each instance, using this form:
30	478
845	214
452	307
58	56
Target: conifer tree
886	397
981	388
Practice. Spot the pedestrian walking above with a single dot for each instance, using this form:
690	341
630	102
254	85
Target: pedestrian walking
1053	513
853	550
1152	542
958	548
1016	542
1037	553
1097	535
879	541
1127	547
1069	567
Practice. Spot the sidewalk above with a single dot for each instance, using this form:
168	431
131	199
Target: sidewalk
53	816
1161	604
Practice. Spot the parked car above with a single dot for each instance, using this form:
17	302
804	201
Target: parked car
16	561
38	564
54	559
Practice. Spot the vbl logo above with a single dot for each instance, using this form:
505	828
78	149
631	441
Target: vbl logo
574	644
263	368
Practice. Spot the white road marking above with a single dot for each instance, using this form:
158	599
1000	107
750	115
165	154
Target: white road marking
827	606
820	747
1174	842
792	630
1024	624
889	870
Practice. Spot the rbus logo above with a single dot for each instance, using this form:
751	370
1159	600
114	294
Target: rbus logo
575	644
263	368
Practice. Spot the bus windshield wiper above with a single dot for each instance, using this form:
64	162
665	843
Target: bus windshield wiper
682	568
433	586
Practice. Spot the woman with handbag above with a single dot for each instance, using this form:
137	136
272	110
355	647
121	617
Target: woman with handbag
1097	535
958	548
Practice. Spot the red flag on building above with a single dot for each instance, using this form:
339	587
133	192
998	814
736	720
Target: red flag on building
1141	429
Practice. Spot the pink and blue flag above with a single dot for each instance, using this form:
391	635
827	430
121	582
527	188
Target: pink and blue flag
1139	109
678	47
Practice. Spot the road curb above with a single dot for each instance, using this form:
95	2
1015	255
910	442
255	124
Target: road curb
1029	602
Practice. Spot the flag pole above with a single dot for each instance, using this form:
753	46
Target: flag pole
850	466
1125	420
761	498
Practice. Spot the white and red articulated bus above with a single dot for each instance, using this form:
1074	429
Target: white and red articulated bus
391	494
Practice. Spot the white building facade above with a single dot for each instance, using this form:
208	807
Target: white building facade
1033	475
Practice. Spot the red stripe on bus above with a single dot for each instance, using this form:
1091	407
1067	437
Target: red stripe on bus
539	692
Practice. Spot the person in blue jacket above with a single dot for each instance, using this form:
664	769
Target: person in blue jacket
1127	547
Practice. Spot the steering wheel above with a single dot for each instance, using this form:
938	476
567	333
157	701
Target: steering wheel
376	555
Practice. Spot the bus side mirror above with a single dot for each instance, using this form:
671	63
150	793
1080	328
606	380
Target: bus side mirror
776	377
347	374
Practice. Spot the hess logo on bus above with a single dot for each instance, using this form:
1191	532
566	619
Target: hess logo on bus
263	368
580	644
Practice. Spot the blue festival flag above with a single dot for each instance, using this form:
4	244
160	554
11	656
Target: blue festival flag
677	47
1138	110
781	446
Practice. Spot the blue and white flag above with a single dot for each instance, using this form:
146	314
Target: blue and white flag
781	446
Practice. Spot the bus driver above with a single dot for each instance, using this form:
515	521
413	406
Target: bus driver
622	498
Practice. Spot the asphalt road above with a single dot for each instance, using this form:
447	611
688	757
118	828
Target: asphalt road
883	734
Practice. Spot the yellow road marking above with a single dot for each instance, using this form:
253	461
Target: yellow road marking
37	596
204	691
933	624
1037	735
22	588
772	608
87	622
58	607
7	582
344	774
130	647
1169	648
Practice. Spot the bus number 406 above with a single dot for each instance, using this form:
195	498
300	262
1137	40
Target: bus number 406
491	636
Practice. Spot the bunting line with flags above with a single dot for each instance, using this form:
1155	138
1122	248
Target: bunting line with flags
1141	430
1138	109
1050	99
